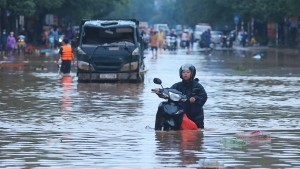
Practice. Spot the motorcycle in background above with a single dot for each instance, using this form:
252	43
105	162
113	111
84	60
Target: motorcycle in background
204	44
170	114
227	41
173	43
61	38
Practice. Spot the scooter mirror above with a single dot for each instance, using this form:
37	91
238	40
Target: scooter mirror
157	81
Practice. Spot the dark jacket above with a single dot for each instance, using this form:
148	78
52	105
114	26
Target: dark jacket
193	110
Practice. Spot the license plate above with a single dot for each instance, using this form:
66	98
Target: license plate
113	48
108	76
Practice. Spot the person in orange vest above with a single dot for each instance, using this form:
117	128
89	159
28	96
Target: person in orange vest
154	43
66	56
161	38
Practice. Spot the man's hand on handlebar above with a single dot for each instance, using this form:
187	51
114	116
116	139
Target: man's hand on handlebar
156	90
192	99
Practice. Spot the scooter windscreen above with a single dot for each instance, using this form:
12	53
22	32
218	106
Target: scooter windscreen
171	122
171	109
175	95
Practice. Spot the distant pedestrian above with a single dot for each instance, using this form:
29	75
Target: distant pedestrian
161	38
244	38
185	40
56	37
66	56
45	39
146	38
51	39
253	40
188	42
10	43
3	40
154	43
207	38
192	39
70	33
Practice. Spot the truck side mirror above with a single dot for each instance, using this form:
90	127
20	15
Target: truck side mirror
75	42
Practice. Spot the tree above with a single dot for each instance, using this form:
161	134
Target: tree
134	9
76	10
21	7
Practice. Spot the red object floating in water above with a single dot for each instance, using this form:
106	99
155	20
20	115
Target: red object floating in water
254	135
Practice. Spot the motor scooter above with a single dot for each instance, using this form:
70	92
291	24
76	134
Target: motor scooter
173	43
170	114
203	44
227	41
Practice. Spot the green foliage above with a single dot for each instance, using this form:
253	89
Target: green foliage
76	10
189	12
294	6
3	3
21	7
133	9
49	4
193	11
72	10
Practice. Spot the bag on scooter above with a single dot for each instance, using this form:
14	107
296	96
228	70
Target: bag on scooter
187	124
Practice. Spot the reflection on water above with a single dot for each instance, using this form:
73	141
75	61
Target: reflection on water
66	101
53	121
184	143
259	62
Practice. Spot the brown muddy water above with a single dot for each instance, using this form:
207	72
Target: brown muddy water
48	121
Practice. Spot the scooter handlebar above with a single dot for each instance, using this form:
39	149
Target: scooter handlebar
156	90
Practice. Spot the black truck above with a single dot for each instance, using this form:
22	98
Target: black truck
110	50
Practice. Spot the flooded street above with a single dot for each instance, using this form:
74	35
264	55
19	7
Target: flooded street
52	122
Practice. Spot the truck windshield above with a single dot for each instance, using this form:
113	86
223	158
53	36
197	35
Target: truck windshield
99	35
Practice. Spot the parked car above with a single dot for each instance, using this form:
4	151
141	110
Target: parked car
110	50
216	37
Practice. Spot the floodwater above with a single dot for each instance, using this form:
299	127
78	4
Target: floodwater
48	121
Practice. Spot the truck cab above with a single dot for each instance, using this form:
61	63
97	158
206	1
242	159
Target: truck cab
110	50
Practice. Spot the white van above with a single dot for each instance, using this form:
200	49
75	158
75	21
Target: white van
164	27
199	29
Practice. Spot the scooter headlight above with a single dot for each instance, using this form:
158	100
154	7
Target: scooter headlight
175	97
